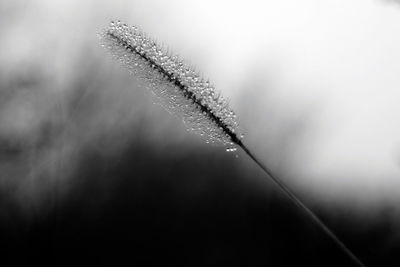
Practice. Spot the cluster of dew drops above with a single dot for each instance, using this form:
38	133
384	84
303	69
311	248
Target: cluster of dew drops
169	96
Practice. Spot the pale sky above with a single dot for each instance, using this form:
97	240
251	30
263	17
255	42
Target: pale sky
341	56
339	60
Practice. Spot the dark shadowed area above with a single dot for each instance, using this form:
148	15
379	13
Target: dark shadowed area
148	207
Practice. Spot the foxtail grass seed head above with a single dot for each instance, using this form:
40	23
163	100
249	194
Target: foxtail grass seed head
180	89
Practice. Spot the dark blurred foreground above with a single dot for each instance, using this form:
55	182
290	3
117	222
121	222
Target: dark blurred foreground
146	208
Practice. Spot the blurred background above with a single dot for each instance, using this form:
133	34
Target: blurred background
91	170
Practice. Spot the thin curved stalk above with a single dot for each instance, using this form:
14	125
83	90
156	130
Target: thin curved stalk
285	189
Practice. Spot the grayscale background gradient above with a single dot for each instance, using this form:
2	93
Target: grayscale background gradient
91	170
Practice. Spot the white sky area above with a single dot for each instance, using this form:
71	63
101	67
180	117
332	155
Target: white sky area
340	59
342	56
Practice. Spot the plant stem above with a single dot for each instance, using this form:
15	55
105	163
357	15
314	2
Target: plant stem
302	206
